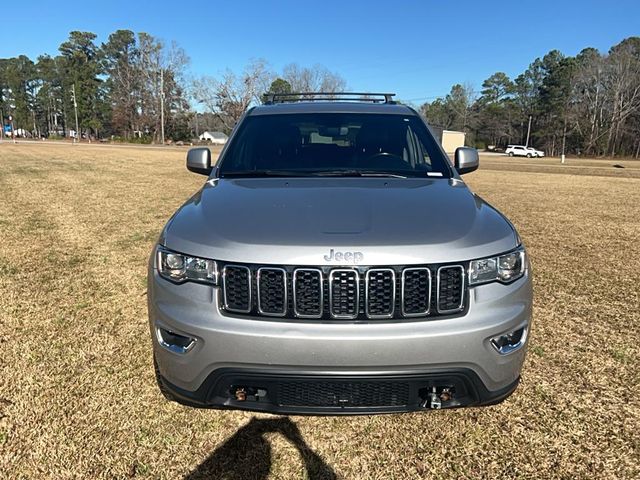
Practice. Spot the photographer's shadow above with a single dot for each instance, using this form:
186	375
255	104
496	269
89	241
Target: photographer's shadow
247	454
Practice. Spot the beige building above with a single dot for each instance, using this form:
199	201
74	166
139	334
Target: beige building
449	139
452	140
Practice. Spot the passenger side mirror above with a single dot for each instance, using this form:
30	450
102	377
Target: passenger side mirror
466	160
199	160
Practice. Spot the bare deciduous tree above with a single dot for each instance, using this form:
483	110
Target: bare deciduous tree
230	96
161	71
313	79
623	86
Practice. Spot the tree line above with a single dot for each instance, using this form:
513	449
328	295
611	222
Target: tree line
116	88
134	87
588	104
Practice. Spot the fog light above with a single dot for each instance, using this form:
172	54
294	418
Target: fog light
510	342
174	342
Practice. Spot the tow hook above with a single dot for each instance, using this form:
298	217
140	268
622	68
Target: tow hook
244	393
240	394
446	394
434	399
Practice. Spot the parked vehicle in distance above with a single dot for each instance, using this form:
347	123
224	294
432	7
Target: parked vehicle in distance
216	138
535	152
522	151
334	262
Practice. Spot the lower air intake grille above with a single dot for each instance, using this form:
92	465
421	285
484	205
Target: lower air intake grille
343	394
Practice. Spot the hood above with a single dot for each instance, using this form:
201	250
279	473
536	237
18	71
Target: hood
301	221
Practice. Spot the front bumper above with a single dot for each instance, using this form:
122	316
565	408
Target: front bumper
232	352
297	393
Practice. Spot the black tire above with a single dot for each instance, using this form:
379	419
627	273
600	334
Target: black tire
511	154
528	155
165	393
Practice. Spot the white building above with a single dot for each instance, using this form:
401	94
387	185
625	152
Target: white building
218	138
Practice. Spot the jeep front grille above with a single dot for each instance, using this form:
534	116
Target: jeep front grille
343	293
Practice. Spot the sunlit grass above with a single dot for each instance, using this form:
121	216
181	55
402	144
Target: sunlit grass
77	393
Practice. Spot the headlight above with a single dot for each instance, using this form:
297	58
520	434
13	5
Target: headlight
504	268
182	268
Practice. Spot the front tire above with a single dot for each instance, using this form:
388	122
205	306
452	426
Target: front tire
511	154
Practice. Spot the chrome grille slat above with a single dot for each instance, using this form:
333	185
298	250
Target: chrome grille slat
308	293
272	291
416	286
237	288
380	292
453	285
344	293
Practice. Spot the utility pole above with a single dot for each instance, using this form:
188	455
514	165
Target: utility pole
528	132
75	107
13	130
564	139
162	106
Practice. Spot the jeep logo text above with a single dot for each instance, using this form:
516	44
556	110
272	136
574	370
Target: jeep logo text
355	257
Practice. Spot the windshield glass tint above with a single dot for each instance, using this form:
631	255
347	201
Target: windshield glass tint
308	144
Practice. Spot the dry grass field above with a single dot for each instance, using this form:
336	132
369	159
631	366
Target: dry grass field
77	393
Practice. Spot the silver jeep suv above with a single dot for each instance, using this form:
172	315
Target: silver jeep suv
335	263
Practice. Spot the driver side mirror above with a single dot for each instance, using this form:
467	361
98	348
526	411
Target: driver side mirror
199	160
466	160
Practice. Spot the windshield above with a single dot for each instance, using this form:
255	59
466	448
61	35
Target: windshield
334	144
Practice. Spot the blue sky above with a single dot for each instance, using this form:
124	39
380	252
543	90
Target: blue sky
415	48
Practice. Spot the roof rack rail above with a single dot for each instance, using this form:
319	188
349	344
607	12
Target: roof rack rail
270	98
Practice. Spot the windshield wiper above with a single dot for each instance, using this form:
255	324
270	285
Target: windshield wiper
309	173
263	173
357	173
